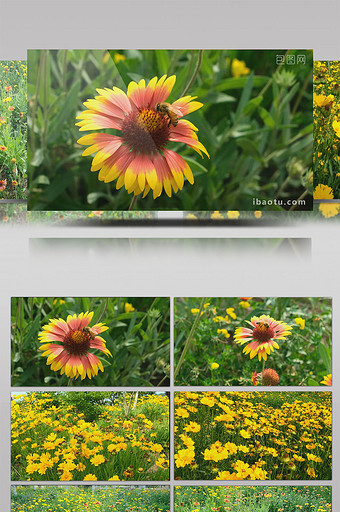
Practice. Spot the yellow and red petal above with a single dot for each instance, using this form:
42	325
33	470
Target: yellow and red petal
94	121
185	105
178	167
162	90
104	142
117	97
192	142
101	105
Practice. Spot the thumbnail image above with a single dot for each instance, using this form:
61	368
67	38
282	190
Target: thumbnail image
245	341
86	435
93	498
253	435
13	129
90	341
326	115
188	130
247	499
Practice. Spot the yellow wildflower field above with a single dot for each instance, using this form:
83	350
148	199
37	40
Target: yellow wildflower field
253	436
90	436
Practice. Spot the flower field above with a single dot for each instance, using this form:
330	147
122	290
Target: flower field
259	498
272	341
85	498
90	436
326	115
253	436
100	341
189	130
13	129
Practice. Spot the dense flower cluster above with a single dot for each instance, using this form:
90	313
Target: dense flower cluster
54	442
252	436
326	115
247	498
45	499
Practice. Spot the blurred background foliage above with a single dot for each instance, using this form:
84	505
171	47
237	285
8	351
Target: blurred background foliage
138	339
256	124
304	357
13	129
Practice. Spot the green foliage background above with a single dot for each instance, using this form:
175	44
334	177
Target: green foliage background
257	128
13	128
47	498
304	358
249	498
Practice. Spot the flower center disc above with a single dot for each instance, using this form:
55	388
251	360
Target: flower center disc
77	342
146	130
263	332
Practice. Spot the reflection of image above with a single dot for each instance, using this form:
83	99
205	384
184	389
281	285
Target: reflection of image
79	341
152	114
268	341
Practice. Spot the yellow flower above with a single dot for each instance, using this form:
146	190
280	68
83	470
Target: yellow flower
217	215
230	312
184	457
118	57
90	477
233	214
192	427
239	68
214	366
244	304
301	322
128	307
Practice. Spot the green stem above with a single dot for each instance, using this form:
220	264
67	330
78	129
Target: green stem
191	63
298	199
263	365
189	338
70	382
163	321
104	310
133	203
150	308
283	186
35	103
301	93
161	382
194	76
64	69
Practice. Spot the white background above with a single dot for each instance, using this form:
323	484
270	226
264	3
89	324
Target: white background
167	261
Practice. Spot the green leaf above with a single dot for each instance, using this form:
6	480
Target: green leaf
163	61
266	117
195	165
252	105
217	97
122	69
239	83
245	96
38	158
42	180
93	196
66	111
325	357
250	148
